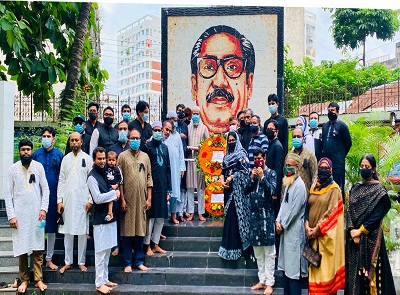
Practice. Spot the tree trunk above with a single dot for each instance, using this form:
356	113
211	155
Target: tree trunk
76	57
364	51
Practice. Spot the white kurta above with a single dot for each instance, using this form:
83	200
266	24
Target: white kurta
177	162
73	192
24	201
105	235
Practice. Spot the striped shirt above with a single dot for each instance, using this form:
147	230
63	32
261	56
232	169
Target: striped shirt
258	141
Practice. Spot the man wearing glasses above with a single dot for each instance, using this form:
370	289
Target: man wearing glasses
222	65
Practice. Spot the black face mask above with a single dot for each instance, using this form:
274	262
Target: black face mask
25	160
243	124
324	175
187	122
181	115
92	116
231	146
108	121
366	173
332	116
270	134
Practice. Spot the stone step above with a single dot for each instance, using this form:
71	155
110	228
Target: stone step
7	259
5	230
208	228
8	274
184	259
6	244
161	276
205	244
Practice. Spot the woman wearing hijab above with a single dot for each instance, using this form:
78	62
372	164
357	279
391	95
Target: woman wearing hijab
236	234
301	123
324	228
367	264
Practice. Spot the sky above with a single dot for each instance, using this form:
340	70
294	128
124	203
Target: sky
115	16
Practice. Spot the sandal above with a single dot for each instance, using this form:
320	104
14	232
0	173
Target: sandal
3	285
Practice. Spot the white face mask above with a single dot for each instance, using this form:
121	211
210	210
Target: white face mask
232	128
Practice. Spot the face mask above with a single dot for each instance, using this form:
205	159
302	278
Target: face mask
157	136
108	121
270	134
126	116
313	123
92	116
79	128
195	118
232	128
332	116
181	115
122	136
297	143
259	163
175	124
187	122
46	142
254	128
135	144
290	171
145	117
242	123
99	169
25	160
272	109
231	146
324	175
366	173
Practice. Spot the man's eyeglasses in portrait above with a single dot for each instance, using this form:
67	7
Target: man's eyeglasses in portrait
233	66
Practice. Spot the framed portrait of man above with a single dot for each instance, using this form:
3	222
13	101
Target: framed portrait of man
222	59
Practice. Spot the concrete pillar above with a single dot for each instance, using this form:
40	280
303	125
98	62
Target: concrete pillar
6	132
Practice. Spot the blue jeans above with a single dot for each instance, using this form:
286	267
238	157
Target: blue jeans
173	205
135	243
291	286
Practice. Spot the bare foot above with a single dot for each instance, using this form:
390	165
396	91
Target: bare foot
258	286
186	214
115	252
16	283
149	252
103	289
181	219
142	267
83	268
162	237
41	286
173	220
190	217
201	218
51	265
268	290
111	284
158	249
23	286
128	269
65	267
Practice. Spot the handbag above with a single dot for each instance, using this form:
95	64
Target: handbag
312	255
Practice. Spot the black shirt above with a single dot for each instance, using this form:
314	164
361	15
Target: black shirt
89	127
145	133
283	134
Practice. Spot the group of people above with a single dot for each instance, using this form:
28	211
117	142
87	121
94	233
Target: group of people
134	175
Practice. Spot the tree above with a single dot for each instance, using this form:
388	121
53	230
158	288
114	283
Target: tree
351	26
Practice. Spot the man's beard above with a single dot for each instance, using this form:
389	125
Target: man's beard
220	92
288	180
75	149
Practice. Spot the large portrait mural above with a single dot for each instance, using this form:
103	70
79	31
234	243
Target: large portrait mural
222	59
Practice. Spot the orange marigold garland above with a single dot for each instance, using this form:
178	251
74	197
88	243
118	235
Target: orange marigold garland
212	170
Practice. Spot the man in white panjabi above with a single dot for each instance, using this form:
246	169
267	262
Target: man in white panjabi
104	230
27	200
197	132
74	201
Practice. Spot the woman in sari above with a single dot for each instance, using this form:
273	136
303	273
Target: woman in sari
324	227
367	264
236	234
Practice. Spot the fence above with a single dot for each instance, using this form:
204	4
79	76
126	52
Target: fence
24	109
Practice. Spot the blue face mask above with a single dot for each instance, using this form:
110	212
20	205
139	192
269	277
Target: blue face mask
79	128
145	117
126	116
254	128
195	118
297	142
122	136
46	142
272	109
313	123
135	144
175	124
157	135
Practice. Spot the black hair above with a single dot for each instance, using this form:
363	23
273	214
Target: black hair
245	45
249	110
166	121
91	104
108	108
112	154
258	119
180	105
25	142
50	130
371	159
234	134
97	150
313	113
258	151
239	113
141	106
273	97
276	124
126	106
233	119
334	105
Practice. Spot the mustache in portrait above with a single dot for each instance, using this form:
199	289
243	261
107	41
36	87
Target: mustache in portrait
220	92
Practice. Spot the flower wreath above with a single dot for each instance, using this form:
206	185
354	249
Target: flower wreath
217	208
